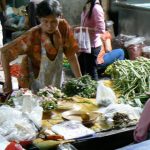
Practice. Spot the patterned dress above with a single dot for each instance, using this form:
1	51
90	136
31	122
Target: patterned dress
31	44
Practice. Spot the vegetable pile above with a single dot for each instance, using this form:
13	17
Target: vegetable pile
49	97
131	78
84	87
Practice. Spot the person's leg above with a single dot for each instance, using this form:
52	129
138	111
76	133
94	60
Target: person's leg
101	71
82	63
109	58
92	66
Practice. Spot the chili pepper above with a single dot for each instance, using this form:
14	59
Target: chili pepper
54	137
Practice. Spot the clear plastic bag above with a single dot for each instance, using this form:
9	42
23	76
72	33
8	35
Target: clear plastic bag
133	113
3	142
28	103
15	127
105	95
66	146
83	39
120	40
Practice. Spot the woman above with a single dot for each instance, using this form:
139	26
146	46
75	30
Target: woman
44	46
93	18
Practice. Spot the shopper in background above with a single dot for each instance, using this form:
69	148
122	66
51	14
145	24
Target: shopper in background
31	11
44	45
93	18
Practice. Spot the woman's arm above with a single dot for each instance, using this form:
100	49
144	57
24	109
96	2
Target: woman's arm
70	47
106	38
75	65
10	52
5	63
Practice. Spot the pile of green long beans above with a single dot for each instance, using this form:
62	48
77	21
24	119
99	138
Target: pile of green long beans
131	78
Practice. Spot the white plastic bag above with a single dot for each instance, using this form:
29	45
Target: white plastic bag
3	142
14	126
133	113
83	40
104	95
66	146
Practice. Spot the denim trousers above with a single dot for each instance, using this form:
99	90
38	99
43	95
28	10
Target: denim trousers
88	63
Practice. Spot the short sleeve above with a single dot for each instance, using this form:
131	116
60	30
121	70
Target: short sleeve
17	47
70	45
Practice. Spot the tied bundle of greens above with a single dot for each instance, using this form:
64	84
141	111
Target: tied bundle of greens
84	87
131	78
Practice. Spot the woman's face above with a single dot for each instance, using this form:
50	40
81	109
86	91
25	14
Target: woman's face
49	24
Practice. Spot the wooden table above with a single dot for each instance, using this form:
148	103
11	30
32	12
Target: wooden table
102	140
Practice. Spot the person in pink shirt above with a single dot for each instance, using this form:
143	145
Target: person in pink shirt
93	18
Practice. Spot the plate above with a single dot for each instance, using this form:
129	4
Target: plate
67	106
84	117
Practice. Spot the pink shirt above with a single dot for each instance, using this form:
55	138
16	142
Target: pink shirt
96	22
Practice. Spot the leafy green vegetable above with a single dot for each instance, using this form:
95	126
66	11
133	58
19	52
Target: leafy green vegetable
84	86
48	105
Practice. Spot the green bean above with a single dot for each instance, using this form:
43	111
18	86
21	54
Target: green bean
131	77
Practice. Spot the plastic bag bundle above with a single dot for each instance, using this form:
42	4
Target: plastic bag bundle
66	146
105	95
83	39
15	127
133	113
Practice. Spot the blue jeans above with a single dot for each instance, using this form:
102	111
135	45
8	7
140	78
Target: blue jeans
88	63
109	58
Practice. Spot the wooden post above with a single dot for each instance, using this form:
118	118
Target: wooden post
105	4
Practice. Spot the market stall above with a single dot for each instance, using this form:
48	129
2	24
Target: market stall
49	113
83	114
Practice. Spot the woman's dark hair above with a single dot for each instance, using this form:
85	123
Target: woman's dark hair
92	5
48	7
